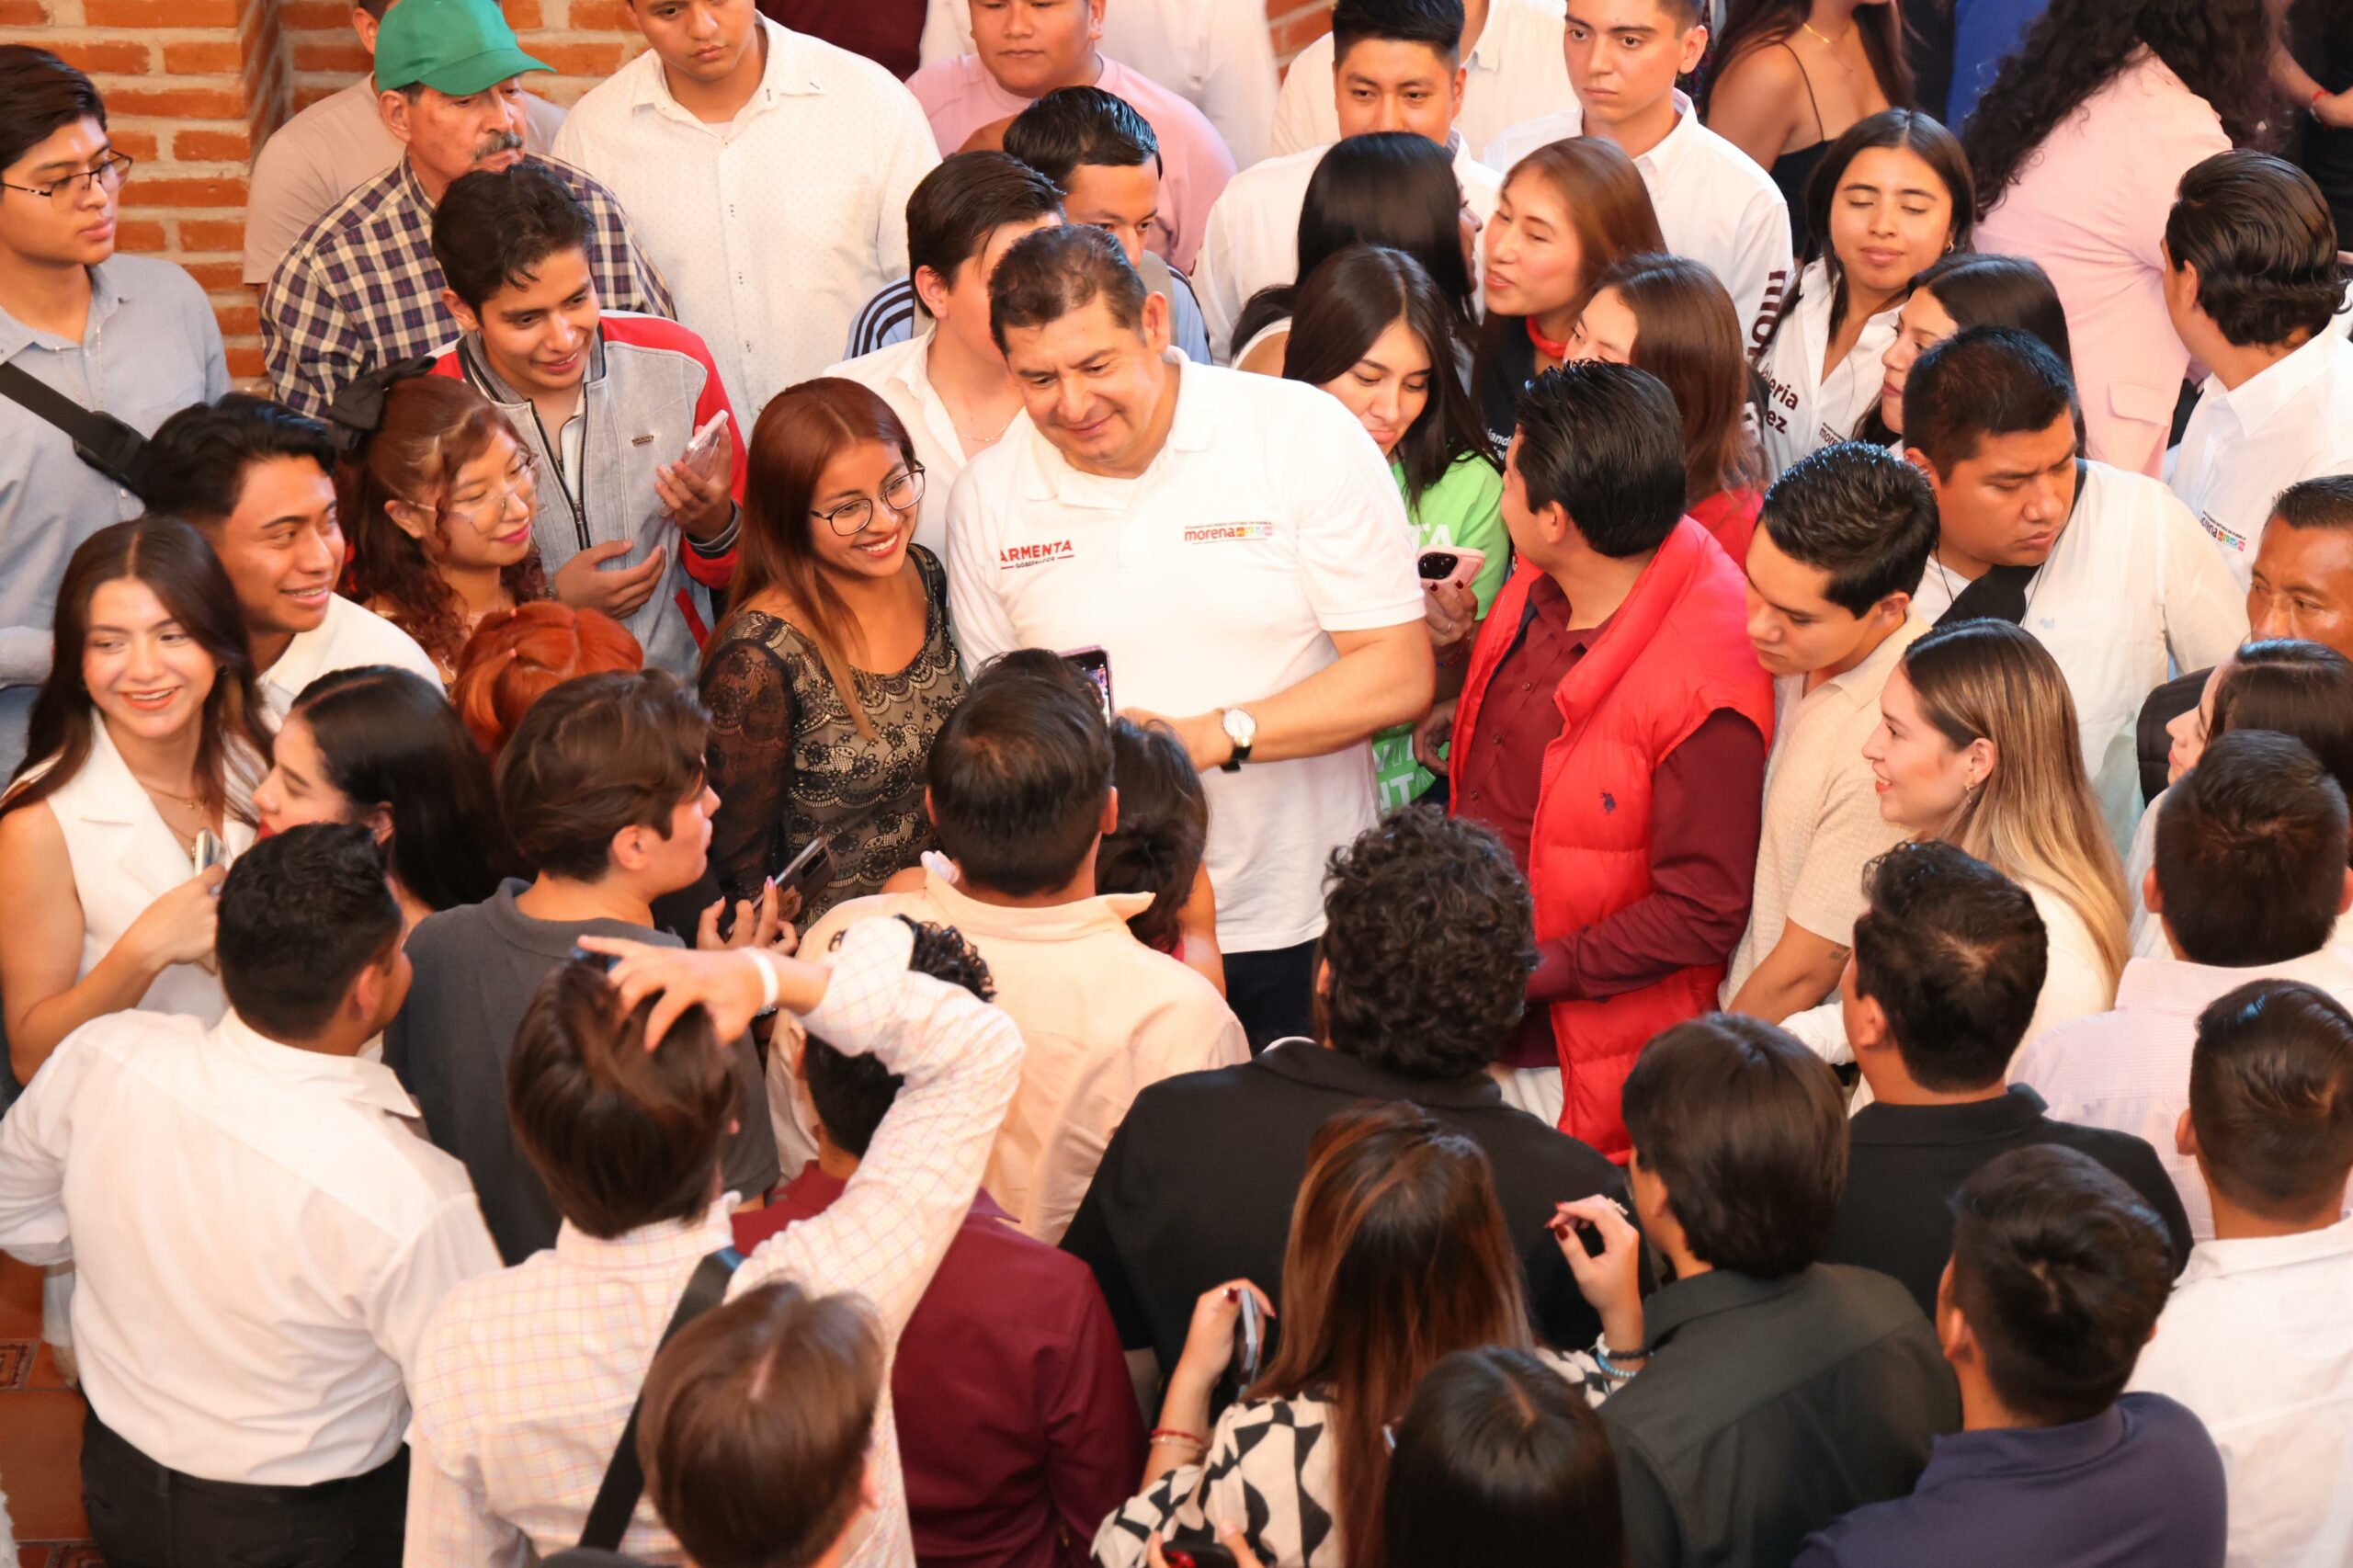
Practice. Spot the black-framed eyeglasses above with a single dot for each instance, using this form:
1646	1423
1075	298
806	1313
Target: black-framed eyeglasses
110	171
900	492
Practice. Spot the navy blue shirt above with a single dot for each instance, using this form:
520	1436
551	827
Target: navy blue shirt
2139	1485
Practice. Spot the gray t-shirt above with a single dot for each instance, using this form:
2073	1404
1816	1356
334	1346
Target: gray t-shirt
476	968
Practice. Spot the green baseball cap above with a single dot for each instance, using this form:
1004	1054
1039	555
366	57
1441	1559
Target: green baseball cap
452	46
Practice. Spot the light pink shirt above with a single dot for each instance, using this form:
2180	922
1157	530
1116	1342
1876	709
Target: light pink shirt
2090	206
960	97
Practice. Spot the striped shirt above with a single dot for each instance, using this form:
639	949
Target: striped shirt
890	316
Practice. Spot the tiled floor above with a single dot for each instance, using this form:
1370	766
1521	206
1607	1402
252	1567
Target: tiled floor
41	1434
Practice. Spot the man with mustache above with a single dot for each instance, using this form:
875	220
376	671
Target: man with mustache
360	289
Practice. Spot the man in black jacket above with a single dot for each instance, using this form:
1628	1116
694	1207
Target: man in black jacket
1425	959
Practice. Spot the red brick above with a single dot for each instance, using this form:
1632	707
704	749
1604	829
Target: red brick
245	361
315	15
343	54
177	103
212	234
598	59
140	144
524	15
601	16
160	12
211	146
204	57
241	318
140	234
23	14
217	277
189	193
119	55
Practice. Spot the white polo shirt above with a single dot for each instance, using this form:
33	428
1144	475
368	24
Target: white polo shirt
2291	421
1714	203
1805	410
1267	522
1516	72
351	637
899	374
1252	237
2133	593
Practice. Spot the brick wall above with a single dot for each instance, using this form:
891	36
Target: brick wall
193	85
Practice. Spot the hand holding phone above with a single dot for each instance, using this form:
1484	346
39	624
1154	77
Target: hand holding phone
1455	566
706	452
1096	665
807	873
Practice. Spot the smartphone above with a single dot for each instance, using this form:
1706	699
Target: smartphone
808	871
1249	1339
701	456
1185	1550
209	850
1096	665
1456	566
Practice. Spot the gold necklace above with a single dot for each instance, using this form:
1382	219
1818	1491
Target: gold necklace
1829	42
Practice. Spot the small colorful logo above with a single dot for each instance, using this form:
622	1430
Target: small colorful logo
1223	533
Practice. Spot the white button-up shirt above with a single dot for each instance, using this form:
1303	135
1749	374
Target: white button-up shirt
526	1378
900	376
1267	522
1216	54
2257	1341
2291	421
1805	410
1713	204
2133	591
1252	237
1517	71
2128	1069
261	1233
351	637
774	228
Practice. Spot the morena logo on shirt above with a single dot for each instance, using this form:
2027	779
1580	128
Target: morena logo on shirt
1220	533
1014	557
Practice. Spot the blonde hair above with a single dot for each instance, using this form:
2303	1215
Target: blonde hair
2034	818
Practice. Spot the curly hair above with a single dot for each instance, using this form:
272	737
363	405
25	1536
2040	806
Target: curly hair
2220	49
1429	937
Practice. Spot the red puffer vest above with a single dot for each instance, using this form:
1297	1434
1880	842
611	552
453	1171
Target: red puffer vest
1676	650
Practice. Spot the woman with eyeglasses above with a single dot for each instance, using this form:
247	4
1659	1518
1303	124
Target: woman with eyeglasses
439	503
832	668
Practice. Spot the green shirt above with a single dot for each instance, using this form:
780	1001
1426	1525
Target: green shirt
1464	509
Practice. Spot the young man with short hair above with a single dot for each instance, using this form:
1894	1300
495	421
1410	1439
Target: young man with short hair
259	482
248	1323
361	290
2107	569
1512	72
1414	997
607	403
1839	546
602	790
766	173
1399	64
1782	1392
1612	732
2252	286
1714	204
2249	879
2270	1126
1022	50
1949	960
934	359
129	337
1019	793
2057	1276
330	149
1018	1424
1227	540
622	1089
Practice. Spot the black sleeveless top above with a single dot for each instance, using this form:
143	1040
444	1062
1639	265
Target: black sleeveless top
1790	171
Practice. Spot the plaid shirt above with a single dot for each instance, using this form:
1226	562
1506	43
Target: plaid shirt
362	289
525	1376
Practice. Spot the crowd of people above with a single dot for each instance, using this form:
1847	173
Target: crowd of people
1576	794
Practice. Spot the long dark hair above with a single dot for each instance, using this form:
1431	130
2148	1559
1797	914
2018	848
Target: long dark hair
2298	688
174	563
1387	187
2220	49
1164	829
1752	25
797	435
387	738
1688	335
1986	288
1344	307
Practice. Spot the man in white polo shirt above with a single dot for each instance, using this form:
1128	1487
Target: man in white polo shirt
1399	67
1714	204
2107	569
1512	71
1235	546
2252	286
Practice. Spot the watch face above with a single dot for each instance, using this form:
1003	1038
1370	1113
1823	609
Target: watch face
1240	728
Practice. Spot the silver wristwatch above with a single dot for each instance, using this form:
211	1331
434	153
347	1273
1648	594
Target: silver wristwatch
1243	731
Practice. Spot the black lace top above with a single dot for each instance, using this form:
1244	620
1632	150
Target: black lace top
788	763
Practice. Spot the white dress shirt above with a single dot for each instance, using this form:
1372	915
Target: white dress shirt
526	1376
261	1233
1713	204
351	637
2133	592
2128	1069
1267	522
2291	421
900	376
2257	1341
1805	410
773	228
1217	53
1252	237
1517	71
